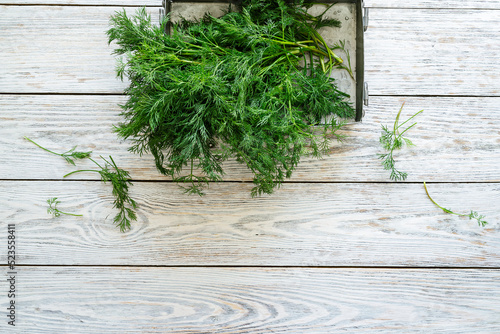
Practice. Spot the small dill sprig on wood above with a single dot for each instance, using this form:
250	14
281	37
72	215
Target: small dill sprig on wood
68	155
120	180
54	211
472	215
391	140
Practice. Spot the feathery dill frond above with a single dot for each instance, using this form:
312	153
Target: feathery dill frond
392	139
120	181
235	81
54	211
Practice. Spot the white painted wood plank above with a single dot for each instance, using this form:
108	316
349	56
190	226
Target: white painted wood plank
60	49
254	300
346	224
433	52
472	4
450	137
56	49
122	3
408	52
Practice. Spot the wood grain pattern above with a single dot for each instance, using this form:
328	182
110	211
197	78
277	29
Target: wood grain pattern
255	300
308	245
471	4
434	52
300	225
95	3
57	49
446	150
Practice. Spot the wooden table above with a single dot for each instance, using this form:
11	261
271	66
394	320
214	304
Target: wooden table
340	248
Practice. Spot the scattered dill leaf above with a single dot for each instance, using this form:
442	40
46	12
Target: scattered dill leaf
120	181
68	155
119	178
392	139
54	211
473	215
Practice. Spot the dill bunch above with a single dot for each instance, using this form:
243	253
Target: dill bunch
254	84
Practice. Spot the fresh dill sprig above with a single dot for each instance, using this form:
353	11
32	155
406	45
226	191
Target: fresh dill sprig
391	140
472	215
68	155
120	180
341	46
54	211
256	82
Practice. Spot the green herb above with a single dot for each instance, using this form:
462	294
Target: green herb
54	211
120	180
253	84
341	46
68	155
391	140
472	215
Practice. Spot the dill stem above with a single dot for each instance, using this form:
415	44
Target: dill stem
439	206
396	122
96	164
43	148
331	54
322	65
70	214
300	44
81	170
408	128
400	125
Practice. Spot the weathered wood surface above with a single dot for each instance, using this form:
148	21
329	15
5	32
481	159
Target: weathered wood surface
434	52
301	225
446	150
414	4
56	49
255	300
471	4
94	3
331	216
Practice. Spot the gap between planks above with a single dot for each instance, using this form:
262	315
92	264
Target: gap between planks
250	182
90	94
256	266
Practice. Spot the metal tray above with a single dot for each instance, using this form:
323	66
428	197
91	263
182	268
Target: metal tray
352	14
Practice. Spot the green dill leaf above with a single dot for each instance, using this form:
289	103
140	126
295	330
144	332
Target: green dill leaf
392	140
54	211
